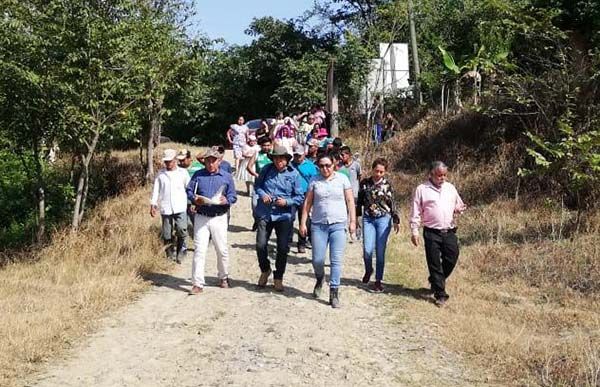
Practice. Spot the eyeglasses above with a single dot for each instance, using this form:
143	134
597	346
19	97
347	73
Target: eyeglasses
325	166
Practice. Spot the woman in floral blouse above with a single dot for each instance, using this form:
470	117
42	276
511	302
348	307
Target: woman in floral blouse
376	198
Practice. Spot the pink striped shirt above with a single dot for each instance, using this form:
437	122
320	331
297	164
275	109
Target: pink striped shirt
435	207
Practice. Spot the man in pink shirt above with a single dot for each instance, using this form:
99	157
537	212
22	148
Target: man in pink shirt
434	204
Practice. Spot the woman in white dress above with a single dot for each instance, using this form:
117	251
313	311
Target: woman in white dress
248	151
237	137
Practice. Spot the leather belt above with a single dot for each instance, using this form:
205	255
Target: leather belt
440	231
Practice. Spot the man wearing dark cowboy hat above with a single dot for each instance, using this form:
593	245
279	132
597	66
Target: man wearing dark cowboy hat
279	189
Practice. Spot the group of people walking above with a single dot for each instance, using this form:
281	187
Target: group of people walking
317	181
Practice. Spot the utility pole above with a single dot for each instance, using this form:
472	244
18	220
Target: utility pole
415	53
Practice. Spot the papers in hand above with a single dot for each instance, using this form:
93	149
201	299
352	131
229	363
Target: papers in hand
215	200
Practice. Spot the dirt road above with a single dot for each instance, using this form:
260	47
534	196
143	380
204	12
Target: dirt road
245	336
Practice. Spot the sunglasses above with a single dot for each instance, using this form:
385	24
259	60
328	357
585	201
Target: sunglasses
325	165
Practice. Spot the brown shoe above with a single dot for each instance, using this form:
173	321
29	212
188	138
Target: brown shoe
278	285
224	283
196	290
264	278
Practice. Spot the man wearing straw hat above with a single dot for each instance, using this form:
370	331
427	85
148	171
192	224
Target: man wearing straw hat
279	189
213	192
169	195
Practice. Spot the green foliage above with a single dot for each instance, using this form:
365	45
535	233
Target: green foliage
301	83
572	160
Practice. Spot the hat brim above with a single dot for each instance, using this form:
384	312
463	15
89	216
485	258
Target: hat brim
168	159
287	155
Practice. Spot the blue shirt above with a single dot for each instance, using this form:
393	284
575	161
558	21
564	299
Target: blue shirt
307	171
207	184
285	184
225	166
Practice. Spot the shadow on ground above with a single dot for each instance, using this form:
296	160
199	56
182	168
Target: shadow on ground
421	294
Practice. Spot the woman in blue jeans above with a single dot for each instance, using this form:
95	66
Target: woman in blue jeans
330	197
376	198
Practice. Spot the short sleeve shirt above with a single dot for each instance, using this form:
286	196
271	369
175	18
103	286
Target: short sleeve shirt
354	171
329	202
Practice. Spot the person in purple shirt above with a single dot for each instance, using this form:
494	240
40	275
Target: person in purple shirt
279	189
212	191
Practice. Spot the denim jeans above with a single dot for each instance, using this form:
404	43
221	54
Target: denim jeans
263	233
335	235
375	236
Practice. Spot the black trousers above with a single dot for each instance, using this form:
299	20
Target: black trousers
263	233
441	251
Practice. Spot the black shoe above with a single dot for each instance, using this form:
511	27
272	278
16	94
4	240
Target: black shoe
301	249
334	297
181	256
318	288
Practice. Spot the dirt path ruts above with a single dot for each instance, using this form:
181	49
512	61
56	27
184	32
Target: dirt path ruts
246	336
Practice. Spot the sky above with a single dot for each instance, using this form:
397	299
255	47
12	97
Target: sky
228	19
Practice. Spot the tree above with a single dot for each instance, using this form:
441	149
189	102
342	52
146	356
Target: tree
31	92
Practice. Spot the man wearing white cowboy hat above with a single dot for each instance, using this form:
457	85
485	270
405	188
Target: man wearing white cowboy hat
279	189
169	195
213	192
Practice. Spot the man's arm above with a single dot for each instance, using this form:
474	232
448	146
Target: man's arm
230	194
260	182
297	196
415	216
191	188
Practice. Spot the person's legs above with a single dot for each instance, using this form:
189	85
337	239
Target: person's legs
301	239
383	225
319	238
254	203
181	222
263	233
450	253
201	235
337	244
369	234
433	253
294	214
167	235
282	231
218	231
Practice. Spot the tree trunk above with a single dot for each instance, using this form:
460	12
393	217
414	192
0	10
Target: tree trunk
82	183
443	105
142	163
41	231
415	51
155	129
40	194
457	101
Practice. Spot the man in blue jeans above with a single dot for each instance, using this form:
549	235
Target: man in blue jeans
279	189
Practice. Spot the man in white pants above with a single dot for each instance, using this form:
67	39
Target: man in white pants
213	192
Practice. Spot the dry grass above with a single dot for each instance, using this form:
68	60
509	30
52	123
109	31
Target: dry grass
526	293
56	295
48	303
